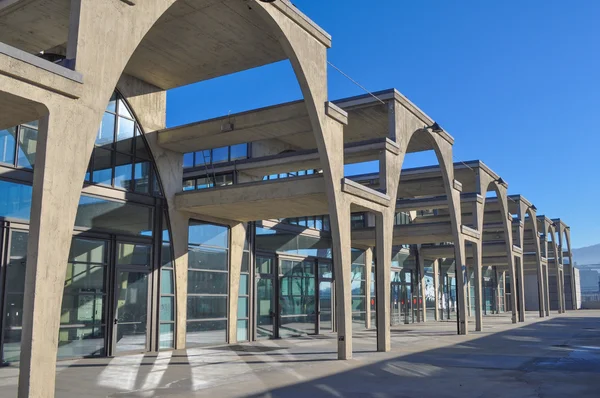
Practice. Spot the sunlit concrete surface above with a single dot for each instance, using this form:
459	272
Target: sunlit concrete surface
554	357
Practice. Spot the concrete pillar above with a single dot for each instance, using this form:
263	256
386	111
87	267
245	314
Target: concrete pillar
422	291
384	225
368	281
541	289
469	304
179	237
521	286
236	252
502	284
478	280
60	166
546	290
436	288
342	263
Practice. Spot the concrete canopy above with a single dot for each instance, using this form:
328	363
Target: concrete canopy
368	120
194	40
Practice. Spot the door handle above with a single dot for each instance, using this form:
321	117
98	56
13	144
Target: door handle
116	321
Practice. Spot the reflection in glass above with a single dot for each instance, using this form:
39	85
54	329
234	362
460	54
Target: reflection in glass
101	214
8	145
207	258
106	134
326	321
206	332
123	171
27	147
102	172
132	309
265	308
125	135
133	254
205	282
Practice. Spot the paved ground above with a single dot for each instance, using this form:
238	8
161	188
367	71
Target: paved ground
556	357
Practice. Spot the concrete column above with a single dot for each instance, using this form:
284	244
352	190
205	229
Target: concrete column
368	270
478	279
60	166
342	263
179	237
422	291
541	289
469	304
236	252
546	291
503	286
436	288
384	225
521	273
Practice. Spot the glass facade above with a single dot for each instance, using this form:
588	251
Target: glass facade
167	292
291	174
208	284
203	182
112	254
214	156
121	158
359	289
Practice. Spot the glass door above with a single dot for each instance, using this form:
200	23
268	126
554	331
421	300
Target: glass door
266	311
325	292
297	298
131	281
396	303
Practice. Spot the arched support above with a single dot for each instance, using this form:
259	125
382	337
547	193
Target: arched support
558	270
538	257
567	234
484	182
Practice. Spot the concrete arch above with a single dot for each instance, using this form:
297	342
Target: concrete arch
92	43
532	221
567	237
485	182
442	145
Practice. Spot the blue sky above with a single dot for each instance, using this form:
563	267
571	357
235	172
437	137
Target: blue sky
517	83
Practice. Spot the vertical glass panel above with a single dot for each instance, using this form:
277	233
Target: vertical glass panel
167	308
141	148
8	145
132	311
125	131
166	281
205	182
242	307
244	284
123	110
239	151
142	177
84	278
325	306
242	330
106	134
188	159
166	335
102	172
133	254
264	265
123	172
206	307
27	147
265	308
220	154
205	282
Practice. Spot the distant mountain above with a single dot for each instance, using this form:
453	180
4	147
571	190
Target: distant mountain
587	255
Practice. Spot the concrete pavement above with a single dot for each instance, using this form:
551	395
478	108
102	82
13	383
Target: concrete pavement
554	357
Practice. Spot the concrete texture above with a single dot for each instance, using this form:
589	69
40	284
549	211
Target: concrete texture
552	357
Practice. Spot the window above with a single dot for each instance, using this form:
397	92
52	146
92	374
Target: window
121	157
207	157
359	289
18	145
243	314
291	174
320	223
208	283
167	291
358	220
219	180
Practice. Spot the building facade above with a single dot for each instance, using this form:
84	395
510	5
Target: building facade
119	235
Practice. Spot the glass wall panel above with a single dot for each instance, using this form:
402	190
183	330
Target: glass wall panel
208	283
15	200
8	145
112	216
206	332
